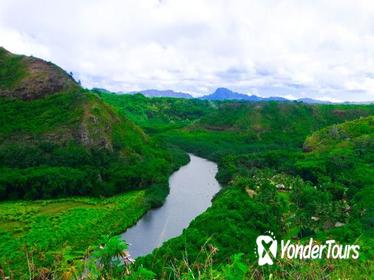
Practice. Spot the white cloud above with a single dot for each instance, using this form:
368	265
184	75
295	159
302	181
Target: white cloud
290	47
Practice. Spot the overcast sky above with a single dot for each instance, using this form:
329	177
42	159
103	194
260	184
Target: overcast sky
318	49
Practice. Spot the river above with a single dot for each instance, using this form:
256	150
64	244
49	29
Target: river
192	188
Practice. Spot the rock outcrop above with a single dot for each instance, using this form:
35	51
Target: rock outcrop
27	77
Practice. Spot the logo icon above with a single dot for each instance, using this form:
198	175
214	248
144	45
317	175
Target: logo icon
266	248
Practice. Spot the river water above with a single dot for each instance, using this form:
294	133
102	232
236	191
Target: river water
192	188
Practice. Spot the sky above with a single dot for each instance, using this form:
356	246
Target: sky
290	48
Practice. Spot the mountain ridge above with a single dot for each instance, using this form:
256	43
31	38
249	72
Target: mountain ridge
220	94
227	94
28	77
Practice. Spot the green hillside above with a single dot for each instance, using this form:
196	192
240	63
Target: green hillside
58	140
312	150
78	167
340	159
68	142
329	194
217	128
158	114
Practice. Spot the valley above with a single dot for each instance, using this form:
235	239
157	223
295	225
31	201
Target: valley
78	167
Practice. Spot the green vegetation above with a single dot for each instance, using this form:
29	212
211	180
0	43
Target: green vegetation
55	113
65	143
78	167
158	114
248	207
259	146
54	233
14	71
218	128
73	144
340	159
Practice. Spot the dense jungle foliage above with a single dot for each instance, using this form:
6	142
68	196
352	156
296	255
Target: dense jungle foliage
70	142
73	144
298	170
70	145
321	154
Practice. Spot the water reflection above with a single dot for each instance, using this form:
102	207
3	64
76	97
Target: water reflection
191	189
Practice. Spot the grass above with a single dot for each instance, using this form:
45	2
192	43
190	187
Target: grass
50	228
14	70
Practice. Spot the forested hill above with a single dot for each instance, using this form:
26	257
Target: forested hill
299	170
57	139
221	127
302	171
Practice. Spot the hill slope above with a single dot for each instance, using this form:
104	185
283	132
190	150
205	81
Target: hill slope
29	77
57	139
345	152
325	192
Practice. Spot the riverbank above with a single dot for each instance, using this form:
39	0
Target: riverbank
53	233
192	188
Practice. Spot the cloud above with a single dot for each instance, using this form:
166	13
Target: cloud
290	47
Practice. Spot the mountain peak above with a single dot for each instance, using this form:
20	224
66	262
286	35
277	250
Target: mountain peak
223	89
27	77
222	93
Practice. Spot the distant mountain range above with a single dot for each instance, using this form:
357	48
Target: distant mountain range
313	101
151	93
226	94
163	93
219	94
